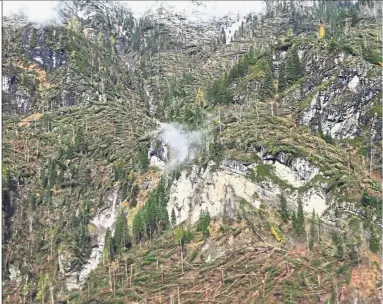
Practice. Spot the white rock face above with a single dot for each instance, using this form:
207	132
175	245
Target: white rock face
157	162
314	199
102	221
297	173
38	59
353	83
230	31
6	80
300	54
14	274
219	191
216	192
347	128
300	173
158	156
310	113
152	105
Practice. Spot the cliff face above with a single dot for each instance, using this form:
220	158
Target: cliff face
220	191
89	108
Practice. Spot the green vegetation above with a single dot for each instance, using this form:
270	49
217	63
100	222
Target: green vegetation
219	91
183	236
338	241
374	241
283	209
153	218
267	90
173	218
108	251
326	137
75	144
313	223
290	70
121	239
203	223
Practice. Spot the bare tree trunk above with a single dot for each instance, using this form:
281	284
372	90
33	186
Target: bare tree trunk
182	258
126	269
178	292
162	274
110	278
220	130
52	294
131	274
371	149
336	291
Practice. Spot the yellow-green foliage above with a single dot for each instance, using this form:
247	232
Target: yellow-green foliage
276	235
182	236
199	96
42	285
132	213
321	32
72	24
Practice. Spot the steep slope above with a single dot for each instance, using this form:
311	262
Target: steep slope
286	117
241	262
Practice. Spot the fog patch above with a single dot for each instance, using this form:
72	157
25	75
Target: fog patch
183	144
38	12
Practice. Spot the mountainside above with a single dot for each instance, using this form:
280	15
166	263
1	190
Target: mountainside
163	159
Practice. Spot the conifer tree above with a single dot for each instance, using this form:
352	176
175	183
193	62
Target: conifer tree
133	195
294	221
312	230
266	90
173	216
52	176
108	252
374	242
293	67
143	158
151	215
163	219
282	77
300	220
223	35
290	70
138	227
338	241
121	234
283	209
203	223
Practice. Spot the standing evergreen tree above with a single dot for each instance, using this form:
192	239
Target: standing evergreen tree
338	241
163	218
143	158
282	77
108	252
174	220
223	36
312	230
121	233
203	223
133	195
374	242
283	209
266	89
161	193
293	70
294	221
138	227
300	221
151	215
